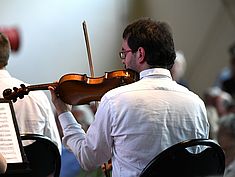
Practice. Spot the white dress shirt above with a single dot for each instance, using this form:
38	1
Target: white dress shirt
136	122
33	113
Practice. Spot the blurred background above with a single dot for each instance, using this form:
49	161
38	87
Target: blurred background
51	43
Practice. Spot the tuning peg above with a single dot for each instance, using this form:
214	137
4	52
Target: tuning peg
22	85
15	89
7	92
21	96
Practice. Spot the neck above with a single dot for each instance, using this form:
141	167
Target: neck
2	67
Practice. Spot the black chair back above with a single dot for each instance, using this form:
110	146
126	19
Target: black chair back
43	156
178	161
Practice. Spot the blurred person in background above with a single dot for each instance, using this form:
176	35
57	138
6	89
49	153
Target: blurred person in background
217	104
226	139
226	79
179	68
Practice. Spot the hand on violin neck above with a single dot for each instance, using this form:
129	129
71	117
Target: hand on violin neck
60	106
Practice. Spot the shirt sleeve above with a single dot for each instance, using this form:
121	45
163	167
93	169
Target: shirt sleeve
92	148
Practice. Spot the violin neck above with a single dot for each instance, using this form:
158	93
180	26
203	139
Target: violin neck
41	86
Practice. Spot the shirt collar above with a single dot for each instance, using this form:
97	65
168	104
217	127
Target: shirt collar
4	73
155	72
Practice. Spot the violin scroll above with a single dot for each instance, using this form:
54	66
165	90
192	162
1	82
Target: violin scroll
17	93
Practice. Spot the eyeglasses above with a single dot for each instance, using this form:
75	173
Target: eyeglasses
122	54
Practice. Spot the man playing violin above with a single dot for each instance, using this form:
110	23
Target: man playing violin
135	122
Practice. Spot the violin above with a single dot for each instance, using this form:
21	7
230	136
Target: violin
77	89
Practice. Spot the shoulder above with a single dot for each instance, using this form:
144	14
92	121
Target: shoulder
39	97
121	90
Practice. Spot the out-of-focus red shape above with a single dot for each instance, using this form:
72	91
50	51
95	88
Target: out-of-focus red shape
13	35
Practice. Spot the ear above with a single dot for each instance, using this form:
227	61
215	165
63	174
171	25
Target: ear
141	55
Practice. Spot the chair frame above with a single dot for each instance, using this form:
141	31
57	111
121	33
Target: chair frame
46	140
157	166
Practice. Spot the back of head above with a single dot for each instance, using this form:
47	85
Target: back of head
156	39
4	50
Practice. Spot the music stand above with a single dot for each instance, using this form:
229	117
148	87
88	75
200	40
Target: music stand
10	142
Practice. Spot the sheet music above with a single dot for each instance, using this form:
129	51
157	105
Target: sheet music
9	146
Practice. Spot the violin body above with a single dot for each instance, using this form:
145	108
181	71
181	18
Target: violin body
76	89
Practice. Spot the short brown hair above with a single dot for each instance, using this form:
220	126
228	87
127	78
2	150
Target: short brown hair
5	50
155	37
